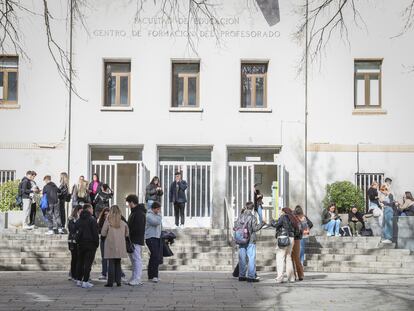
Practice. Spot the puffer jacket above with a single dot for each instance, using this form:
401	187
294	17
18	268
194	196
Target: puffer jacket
151	193
88	230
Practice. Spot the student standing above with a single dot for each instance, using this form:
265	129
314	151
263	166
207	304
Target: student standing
63	194
33	195
153	240
248	251
387	201
178	199
136	226
258	202
80	192
53	211
115	230
88	242
104	262
25	189
297	238
93	189
306	226
102	199
72	244
153	192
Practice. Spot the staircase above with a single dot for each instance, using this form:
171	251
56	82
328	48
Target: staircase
208	250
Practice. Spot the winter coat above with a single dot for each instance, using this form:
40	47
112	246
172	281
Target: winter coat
115	245
153	225
52	193
151	193
102	199
25	188
252	225
178	196
88	230
136	224
63	192
283	226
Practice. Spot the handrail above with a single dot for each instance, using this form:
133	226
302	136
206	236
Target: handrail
228	223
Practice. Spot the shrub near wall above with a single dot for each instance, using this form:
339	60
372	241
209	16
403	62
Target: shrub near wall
344	194
8	193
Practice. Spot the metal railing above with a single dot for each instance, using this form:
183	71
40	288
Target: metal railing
364	181
6	176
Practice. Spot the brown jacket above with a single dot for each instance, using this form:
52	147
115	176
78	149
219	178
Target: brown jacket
115	246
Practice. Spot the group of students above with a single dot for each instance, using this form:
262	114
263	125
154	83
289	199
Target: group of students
292	232
382	206
117	238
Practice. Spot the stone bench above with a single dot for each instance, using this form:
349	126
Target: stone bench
404	232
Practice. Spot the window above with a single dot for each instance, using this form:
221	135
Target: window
6	176
8	80
367	75
254	85
117	84
364	180
185	85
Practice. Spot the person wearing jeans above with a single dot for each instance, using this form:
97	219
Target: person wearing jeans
153	192
248	251
153	240
331	221
387	200
136	225
53	210
258	202
104	262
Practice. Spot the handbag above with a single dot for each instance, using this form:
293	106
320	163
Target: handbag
130	248
283	240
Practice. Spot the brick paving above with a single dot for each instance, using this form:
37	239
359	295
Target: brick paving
209	291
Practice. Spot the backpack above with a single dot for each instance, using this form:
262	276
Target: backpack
345	231
44	204
241	230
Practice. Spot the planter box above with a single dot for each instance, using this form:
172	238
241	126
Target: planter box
3	220
14	219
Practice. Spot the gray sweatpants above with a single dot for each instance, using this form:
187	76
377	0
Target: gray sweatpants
53	217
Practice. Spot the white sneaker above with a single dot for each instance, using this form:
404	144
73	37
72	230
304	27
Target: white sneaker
27	227
60	231
136	282
328	234
49	232
125	280
102	278
87	285
337	234
79	283
386	241
155	280
182	226
177	227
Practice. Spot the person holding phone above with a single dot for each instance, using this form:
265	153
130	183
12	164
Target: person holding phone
153	192
331	221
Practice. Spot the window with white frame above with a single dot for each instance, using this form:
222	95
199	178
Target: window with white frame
254	85
367	83
185	84
117	84
7	175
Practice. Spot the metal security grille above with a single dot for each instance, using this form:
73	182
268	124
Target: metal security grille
364	181
7	175
199	192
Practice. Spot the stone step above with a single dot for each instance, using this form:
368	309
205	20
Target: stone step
357	264
360	258
399	271
356	251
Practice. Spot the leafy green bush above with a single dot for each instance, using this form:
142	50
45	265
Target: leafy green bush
344	194
8	193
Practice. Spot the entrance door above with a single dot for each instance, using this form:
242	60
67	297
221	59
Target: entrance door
272	180
123	177
199	195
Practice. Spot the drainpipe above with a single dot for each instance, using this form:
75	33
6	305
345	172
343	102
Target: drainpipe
306	107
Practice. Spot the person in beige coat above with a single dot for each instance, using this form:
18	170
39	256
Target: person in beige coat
115	230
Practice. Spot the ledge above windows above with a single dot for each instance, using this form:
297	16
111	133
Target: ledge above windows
256	109
115	108
9	106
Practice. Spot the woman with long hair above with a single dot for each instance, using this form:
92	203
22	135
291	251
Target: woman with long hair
153	192
104	262
285	226
330	220
73	246
63	194
80	192
115	230
387	201
407	206
94	188
306	225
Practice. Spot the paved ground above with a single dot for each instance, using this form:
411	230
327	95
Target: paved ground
209	291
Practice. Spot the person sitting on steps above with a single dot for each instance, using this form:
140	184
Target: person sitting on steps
355	221
331	222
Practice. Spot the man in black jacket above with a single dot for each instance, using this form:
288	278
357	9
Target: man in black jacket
53	211
178	198
25	189
88	241
136	225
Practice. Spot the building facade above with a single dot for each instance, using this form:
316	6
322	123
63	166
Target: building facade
228	114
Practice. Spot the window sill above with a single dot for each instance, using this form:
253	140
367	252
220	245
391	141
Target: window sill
117	109
368	111
9	106
263	110
186	109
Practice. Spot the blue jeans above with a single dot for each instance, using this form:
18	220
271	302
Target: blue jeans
260	213
387	230
247	252
149	204
104	261
302	249
332	227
